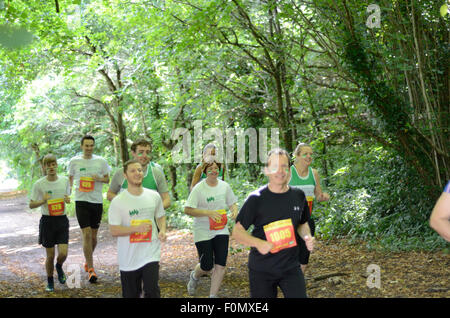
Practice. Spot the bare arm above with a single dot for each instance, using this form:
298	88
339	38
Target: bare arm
110	195
165	199
120	230
161	222
243	237
36	204
201	212
318	193
305	233
440	217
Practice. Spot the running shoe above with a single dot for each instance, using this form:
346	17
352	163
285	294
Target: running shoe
61	275
50	288
192	285
92	275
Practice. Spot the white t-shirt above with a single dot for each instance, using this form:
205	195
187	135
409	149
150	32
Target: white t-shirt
57	189
82	170
134	252
206	197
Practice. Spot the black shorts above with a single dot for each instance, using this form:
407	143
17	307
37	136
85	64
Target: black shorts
303	253
265	285
147	275
213	251
53	230
89	214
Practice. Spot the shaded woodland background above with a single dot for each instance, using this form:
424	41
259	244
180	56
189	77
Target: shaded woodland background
372	101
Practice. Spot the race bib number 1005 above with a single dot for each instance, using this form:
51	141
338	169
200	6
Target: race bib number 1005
281	234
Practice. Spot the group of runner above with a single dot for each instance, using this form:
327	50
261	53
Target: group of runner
279	212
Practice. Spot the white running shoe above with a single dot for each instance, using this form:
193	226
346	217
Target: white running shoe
192	285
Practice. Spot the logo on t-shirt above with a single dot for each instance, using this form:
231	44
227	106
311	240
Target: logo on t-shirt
134	212
209	199
296	208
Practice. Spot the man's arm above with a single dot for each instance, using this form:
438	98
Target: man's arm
161	222
38	203
120	230
165	199
305	233
243	237
440	217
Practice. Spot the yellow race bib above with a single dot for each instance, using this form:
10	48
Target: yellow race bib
281	234
141	237
56	207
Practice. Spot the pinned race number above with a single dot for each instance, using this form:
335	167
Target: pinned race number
141	237
280	234
310	200
213	225
56	207
86	184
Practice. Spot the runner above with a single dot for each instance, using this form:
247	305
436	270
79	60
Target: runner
132	216
51	193
307	179
209	155
440	217
207	203
278	212
89	173
154	178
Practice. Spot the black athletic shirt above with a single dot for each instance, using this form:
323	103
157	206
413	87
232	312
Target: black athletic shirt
263	207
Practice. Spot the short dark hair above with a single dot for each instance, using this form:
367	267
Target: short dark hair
278	151
207	165
129	162
87	137
140	142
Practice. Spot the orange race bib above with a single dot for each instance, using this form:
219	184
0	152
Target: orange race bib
141	237
281	234
56	207
86	184
310	203
213	225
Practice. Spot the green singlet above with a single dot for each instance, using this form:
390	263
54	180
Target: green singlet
148	182
307	184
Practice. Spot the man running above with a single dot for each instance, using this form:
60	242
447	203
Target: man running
51	194
154	178
89	172
279	213
133	216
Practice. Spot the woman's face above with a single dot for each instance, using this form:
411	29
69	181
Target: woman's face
305	156
212	171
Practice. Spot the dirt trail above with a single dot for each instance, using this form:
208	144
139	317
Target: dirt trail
337	269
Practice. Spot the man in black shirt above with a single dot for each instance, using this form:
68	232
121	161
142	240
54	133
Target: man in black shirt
280	218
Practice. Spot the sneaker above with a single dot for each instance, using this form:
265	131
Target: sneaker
192	285
92	275
50	288
61	275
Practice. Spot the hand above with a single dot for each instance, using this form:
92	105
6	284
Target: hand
66	199
309	242
264	247
46	197
162	236
96	178
215	215
142	228
323	197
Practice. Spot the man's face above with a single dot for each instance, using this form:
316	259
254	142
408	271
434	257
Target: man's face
278	170
134	174
88	147
51	168
142	154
